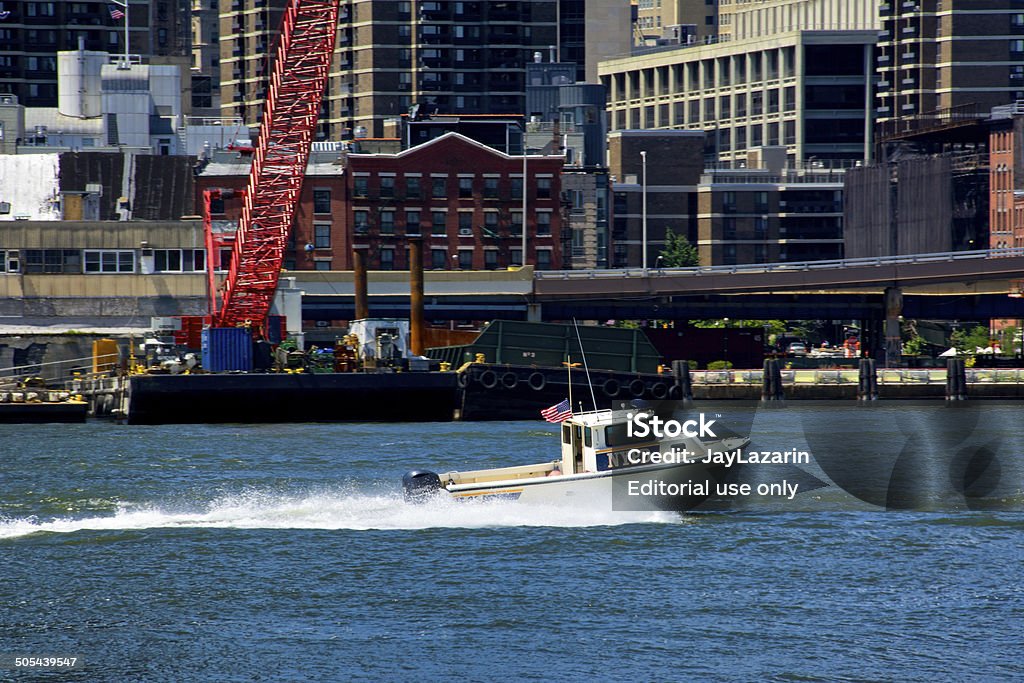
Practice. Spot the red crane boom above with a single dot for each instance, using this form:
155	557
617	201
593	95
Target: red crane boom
303	58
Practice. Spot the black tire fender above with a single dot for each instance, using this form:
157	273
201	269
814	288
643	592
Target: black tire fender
537	381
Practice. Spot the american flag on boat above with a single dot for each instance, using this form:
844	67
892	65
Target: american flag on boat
560	412
115	12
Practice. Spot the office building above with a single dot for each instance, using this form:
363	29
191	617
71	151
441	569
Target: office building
809	91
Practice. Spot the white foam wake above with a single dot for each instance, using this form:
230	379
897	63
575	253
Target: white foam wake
256	510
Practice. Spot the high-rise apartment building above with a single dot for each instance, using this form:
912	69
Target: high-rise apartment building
939	55
31	34
456	57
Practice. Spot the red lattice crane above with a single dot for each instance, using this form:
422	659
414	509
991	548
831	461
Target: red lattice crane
296	88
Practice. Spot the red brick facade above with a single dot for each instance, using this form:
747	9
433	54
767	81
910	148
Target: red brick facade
467	199
462	198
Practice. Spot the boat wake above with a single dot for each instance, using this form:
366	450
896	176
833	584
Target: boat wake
331	510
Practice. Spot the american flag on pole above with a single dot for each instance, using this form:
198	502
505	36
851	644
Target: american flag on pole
115	12
560	412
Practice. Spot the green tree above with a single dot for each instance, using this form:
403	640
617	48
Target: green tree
967	342
678	252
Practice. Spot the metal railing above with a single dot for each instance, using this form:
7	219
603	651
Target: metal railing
58	372
936	257
850	376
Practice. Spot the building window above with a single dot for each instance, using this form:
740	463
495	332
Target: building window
109	261
322	264
729	202
387	222
491	224
515	257
543	223
491	259
179	260
51	261
387	186
412	188
543	188
729	254
360	186
728	228
490	188
465	188
387	258
516	188
761	202
412	222
438	259
439	220
322	235
516	228
321	201
361	220
440	188
543	259
466	259
465	222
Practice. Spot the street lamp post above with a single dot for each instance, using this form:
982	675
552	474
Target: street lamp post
643	209
522	259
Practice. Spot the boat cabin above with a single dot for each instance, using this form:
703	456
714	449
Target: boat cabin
599	440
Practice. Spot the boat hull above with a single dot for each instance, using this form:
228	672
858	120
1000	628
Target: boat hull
677	487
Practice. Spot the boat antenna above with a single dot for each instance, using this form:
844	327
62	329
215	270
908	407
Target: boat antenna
585	367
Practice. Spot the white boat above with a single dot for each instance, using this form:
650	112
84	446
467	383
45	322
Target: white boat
600	465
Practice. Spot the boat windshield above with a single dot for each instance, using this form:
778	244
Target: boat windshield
618	435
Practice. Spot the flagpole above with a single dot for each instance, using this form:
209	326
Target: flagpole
126	18
126	22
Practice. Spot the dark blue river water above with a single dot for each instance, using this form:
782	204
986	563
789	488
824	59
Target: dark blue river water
285	552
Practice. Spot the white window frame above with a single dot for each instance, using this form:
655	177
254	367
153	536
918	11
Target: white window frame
99	255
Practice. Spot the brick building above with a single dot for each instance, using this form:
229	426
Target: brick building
1006	181
463	198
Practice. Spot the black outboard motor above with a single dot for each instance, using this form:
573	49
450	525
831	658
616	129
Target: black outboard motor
420	485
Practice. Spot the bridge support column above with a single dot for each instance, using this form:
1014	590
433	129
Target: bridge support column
893	314
533	313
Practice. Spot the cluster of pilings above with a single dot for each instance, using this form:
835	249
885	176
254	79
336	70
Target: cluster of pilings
771	381
867	380
416	325
956	379
681	373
